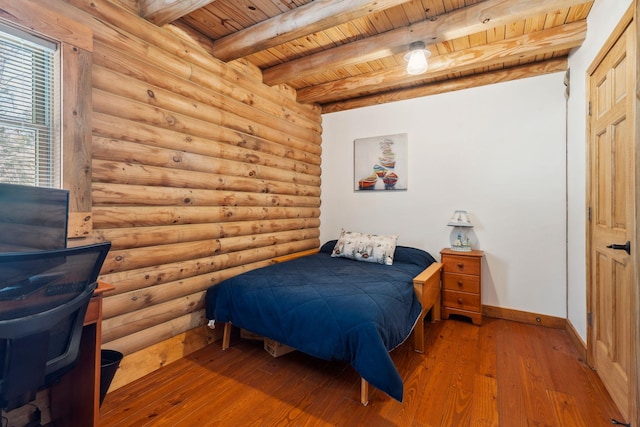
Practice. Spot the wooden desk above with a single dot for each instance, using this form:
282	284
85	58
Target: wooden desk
75	400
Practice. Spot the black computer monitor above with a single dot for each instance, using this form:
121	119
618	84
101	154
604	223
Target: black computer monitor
32	218
43	300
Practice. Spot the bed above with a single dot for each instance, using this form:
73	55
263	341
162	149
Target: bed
336	308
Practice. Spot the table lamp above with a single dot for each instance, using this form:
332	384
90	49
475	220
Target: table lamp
460	234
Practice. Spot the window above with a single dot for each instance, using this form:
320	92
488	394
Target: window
38	22
30	149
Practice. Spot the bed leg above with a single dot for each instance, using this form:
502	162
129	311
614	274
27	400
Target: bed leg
435	315
226	336
418	334
364	392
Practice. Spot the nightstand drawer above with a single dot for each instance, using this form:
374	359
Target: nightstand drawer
461	300
461	282
461	264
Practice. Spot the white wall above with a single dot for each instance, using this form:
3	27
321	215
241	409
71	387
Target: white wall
496	151
603	18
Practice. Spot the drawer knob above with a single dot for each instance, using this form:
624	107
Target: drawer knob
459	300
460	283
460	265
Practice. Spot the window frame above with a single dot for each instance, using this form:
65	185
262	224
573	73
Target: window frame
39	101
76	49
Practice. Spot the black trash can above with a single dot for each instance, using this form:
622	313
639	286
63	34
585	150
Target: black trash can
109	362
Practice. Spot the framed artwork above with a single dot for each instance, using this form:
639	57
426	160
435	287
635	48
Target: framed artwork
380	163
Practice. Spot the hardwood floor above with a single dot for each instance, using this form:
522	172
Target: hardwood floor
499	374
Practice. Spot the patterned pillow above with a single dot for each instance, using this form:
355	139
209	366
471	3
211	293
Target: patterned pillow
365	247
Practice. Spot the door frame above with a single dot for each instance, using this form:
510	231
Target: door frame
630	18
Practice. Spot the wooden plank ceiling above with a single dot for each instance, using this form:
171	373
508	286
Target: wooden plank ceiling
344	54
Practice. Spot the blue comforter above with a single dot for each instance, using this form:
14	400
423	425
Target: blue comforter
330	308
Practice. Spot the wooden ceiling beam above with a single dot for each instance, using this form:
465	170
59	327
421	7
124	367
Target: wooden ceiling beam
162	12
461	22
490	77
517	48
299	22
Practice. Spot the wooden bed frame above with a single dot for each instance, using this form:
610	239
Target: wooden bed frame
427	287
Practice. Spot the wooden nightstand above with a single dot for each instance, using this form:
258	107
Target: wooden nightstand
462	284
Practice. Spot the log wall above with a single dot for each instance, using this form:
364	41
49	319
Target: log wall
199	172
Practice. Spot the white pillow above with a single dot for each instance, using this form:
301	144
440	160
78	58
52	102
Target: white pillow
365	247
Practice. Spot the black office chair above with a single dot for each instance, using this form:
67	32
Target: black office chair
44	296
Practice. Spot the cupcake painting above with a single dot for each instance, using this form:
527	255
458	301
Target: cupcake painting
380	163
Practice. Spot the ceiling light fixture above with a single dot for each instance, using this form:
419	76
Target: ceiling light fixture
417	58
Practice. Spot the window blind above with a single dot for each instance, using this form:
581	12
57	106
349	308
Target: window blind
30	149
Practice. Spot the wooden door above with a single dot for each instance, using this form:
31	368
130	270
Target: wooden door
611	343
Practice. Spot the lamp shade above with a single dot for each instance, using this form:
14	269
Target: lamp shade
417	58
460	219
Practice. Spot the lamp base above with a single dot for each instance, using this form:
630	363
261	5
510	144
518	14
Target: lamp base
461	248
462	239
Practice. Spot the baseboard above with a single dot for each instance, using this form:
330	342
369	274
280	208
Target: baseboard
524	317
577	342
539	319
152	358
